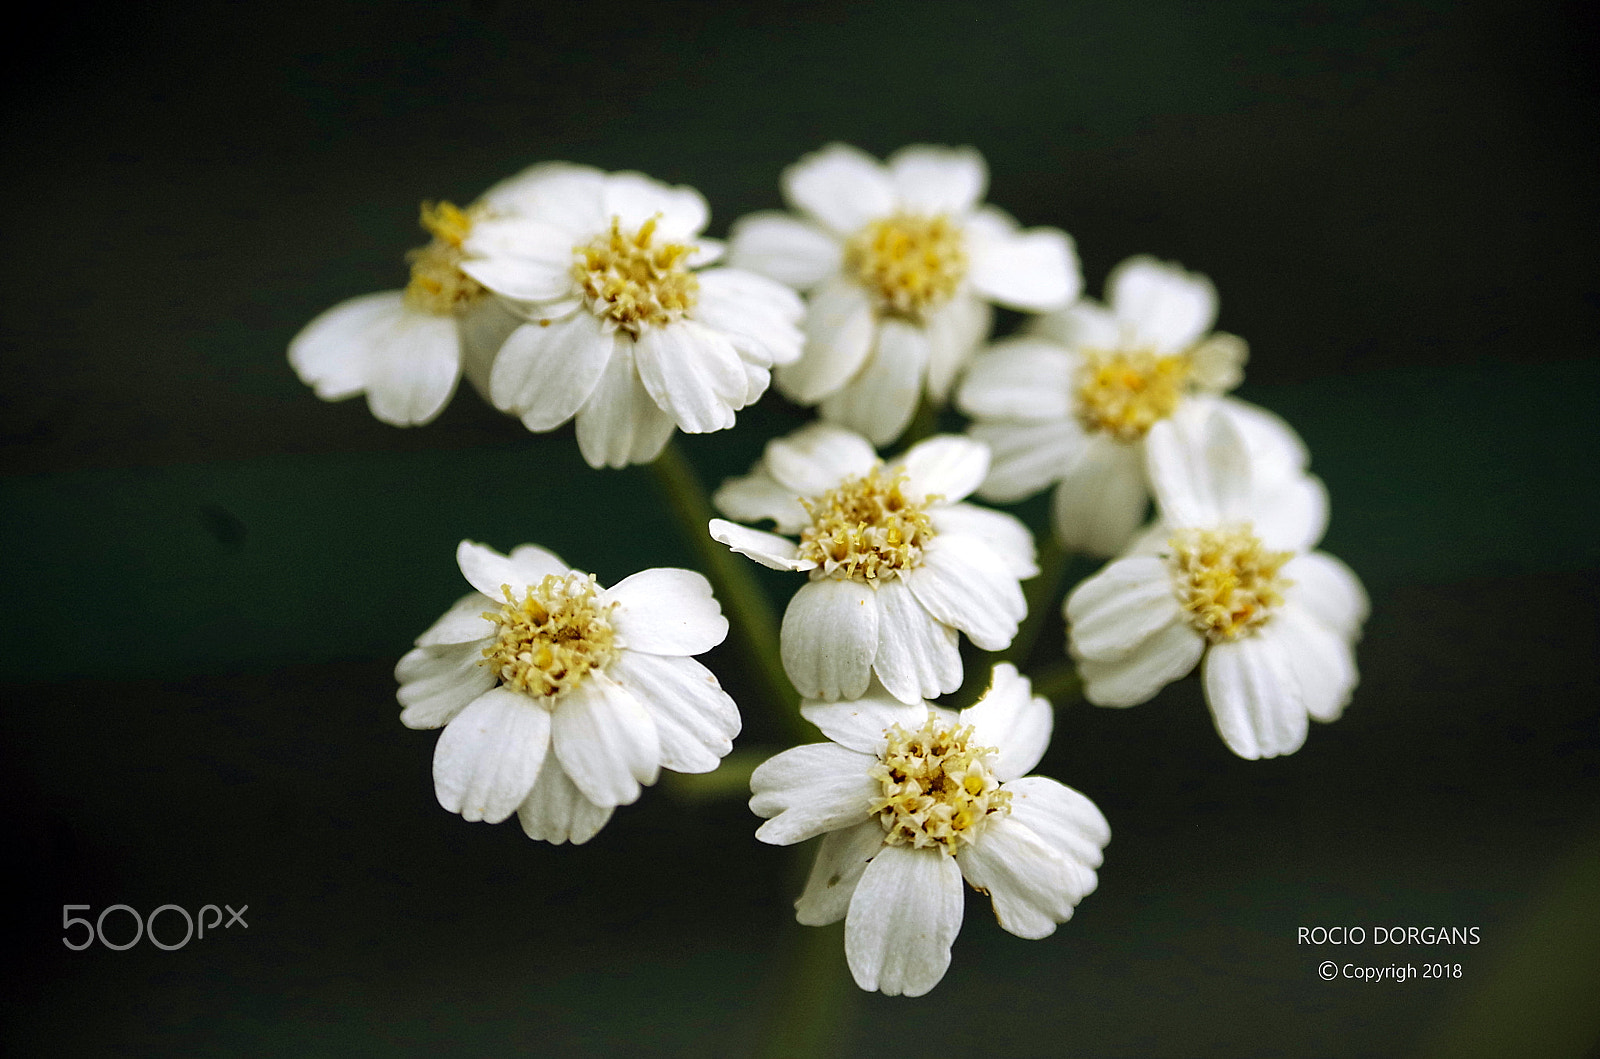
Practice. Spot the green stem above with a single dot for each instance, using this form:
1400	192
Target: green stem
810	1016
731	779
753	622
923	424
1059	683
1040	592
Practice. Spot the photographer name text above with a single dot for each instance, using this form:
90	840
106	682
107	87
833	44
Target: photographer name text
1359	935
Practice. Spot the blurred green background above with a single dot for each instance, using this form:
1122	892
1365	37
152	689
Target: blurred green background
208	574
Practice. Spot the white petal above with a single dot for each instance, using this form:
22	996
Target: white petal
1291	515
1034	270
1020	378
482	330
695	719
521	258
1153	540
620	424
1065	819
1216	364
829	638
841	858
954	333
917	657
545	373
947	466
860	723
666	611
463	622
880	400
839	331
681	212
785	248
1254	696
931	180
489	572
705	252
1199	469
1026	458
605	740
905	914
1165	307
1163	657
815	458
768	549
969	587
1033	884
1328	590
651	430
436	683
810	789
1121	607
533	563
330	353
410	361
840	186
1101	499
1083	325
490	754
757	378
1324	665
510	195
756	496
560	193
693	373
414	374
1276	451
759	316
556	811
1013	720
1007	535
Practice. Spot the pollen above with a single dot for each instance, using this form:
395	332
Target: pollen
1226	581
551	638
867	528
437	284
1126	392
631	281
911	264
938	788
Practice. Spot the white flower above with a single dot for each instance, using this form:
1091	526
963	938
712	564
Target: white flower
560	697
901	262
1071	402
910	799
897	564
1226	580
405	349
621	332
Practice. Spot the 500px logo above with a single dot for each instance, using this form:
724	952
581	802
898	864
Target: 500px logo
146	925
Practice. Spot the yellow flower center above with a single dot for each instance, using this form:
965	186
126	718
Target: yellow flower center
938	789
631	282
866	528
1126	392
1225	580
910	264
437	284
552	637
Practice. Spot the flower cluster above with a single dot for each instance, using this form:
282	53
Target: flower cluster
567	293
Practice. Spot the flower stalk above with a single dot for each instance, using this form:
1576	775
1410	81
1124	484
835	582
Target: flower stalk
753	620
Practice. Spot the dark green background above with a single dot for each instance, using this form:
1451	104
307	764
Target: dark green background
208	574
